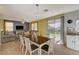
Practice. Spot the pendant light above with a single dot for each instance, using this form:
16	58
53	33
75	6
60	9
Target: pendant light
23	21
37	12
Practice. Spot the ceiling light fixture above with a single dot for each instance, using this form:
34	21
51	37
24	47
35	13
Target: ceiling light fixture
37	4
45	10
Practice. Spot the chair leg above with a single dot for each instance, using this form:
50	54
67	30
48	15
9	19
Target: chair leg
25	51
30	53
51	53
38	52
22	49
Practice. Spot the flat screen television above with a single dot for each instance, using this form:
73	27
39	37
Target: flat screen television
19	27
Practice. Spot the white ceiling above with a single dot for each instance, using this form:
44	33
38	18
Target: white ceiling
28	12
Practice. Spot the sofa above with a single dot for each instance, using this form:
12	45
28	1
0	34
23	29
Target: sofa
8	36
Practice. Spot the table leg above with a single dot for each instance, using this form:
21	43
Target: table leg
39	50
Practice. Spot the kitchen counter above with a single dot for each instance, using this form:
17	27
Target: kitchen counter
74	33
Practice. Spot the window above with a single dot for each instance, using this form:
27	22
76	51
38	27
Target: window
9	26
34	26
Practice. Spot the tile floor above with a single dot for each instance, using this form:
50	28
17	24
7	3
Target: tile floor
13	48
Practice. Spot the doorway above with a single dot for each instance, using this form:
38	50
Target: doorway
54	30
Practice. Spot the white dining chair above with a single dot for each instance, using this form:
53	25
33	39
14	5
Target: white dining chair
32	37
22	44
29	47
35	36
49	48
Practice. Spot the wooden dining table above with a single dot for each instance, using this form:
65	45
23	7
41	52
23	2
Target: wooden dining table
40	42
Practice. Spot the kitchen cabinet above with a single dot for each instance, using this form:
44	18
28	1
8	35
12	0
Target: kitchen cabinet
76	41
73	42
70	42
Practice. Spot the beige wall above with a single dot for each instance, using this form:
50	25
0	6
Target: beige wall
1	28
1	25
42	27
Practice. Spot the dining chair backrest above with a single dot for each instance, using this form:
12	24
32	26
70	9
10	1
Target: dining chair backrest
51	46
32	37
27	43
35	36
21	39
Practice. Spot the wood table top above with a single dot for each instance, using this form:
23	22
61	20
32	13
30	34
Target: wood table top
41	39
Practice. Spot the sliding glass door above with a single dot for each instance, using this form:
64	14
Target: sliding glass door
54	30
